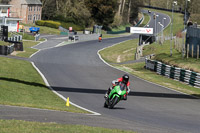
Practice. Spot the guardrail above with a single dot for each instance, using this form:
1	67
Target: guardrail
179	74
84	37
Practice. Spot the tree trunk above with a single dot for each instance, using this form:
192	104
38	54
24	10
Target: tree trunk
123	4
129	10
120	5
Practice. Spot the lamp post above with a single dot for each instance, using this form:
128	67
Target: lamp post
171	27
158	28
155	16
185	12
163	28
158	31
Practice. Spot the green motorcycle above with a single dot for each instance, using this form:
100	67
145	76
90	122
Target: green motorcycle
117	93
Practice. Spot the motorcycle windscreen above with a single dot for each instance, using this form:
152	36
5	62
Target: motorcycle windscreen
123	86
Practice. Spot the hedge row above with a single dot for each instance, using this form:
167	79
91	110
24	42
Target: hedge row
74	26
54	24
48	23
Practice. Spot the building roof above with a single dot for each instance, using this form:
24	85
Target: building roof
8	18
4	5
34	2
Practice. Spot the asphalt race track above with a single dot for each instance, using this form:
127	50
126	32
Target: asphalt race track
76	71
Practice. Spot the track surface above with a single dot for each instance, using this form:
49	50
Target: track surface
76	71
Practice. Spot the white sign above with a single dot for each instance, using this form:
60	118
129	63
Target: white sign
141	30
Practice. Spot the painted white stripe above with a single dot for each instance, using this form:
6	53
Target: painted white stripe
138	77
34	53
39	44
47	84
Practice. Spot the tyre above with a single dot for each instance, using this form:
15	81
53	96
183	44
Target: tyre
114	102
105	105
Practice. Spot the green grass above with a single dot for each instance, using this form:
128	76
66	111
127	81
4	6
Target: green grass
48	30
4	43
177	23
120	28
16	126
139	70
162	54
146	20
44	29
28	51
21	85
123	51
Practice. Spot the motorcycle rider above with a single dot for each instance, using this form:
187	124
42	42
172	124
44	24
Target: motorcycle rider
123	79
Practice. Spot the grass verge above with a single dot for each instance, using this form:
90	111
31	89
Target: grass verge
162	54
21	84
177	24
120	53
16	126
28	51
146	20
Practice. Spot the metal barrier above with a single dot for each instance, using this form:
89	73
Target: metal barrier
179	74
37	37
15	38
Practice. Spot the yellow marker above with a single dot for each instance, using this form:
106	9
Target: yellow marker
67	103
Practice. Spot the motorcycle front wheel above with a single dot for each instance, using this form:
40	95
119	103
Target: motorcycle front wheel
105	105
114	102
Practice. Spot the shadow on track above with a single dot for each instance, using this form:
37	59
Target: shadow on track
141	94
22	82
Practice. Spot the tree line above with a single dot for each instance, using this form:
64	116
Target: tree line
105	12
89	12
191	6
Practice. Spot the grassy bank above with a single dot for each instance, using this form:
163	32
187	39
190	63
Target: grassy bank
10	126
21	84
162	53
177	24
145	21
138	69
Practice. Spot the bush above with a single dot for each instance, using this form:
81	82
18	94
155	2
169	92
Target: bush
195	18
40	22
54	24
48	23
74	26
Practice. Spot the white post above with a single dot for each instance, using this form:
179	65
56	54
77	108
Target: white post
174	3
163	27
185	12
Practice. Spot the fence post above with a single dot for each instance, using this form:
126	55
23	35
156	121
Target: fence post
192	50
187	50
175	43
197	52
183	47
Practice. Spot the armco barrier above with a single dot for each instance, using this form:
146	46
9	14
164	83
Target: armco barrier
6	50
187	76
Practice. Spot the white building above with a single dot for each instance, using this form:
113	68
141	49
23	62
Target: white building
5	19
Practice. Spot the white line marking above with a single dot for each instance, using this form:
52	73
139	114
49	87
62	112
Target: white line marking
136	76
39	43
47	84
